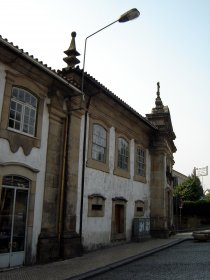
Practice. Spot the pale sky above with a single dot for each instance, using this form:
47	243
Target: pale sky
169	43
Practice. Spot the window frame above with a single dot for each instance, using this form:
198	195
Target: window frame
15	138
24	106
118	170
96	200
139	204
97	144
122	153
94	163
137	162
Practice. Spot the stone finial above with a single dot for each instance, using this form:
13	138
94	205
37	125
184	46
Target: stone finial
72	53
158	101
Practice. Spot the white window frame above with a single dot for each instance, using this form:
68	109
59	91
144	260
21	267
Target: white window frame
23	111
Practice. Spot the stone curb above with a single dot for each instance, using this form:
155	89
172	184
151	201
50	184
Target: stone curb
128	260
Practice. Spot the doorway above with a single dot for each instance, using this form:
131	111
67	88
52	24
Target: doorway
119	219
14	194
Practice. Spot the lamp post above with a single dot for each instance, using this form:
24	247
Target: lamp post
127	16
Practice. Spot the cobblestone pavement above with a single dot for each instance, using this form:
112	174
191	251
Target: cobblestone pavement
188	260
92	262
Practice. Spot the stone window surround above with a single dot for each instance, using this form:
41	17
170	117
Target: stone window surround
139	204
137	177
103	166
118	171
99	200
17	139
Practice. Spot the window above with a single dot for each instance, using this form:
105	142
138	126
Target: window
96	205
23	109
99	145
123	154
140	162
17	181
139	208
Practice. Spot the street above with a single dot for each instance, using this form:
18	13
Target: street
188	260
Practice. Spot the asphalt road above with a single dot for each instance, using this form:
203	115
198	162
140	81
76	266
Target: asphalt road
188	260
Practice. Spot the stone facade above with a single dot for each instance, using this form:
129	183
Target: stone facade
39	158
83	194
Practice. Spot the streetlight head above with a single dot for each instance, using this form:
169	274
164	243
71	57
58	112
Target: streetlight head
129	15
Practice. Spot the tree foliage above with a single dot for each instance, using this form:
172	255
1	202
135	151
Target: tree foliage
207	197
190	190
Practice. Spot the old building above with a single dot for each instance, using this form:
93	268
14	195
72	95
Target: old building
178	178
127	164
33	121
76	170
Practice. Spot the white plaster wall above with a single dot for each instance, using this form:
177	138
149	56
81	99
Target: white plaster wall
36	159
97	230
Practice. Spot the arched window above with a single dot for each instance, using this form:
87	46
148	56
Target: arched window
99	145
23	110
15	181
123	153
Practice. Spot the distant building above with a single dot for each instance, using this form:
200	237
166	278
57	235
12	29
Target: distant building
178	178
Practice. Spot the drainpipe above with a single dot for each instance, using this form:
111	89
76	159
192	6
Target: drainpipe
61	202
83	167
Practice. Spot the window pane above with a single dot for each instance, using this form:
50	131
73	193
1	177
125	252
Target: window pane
11	123
17	125
140	162
99	143
122	153
27	98
19	107
21	95
15	92
12	114
27	111
33	101
13	105
18	117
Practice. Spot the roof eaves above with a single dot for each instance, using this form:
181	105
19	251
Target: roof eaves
116	98
39	64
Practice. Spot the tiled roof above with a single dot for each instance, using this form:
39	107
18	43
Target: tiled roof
38	63
115	97
68	82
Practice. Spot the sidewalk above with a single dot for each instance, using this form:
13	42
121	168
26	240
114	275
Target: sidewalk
93	262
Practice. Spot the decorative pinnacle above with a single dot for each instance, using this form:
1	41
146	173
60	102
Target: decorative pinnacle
72	53
158	89
158	101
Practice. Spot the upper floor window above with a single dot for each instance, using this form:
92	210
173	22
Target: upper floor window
140	162
23	110
123	153
99	145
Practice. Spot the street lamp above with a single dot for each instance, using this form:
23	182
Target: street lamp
127	16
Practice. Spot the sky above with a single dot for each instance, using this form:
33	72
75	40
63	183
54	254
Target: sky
169	43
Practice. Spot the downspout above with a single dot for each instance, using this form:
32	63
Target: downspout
83	167
61	202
